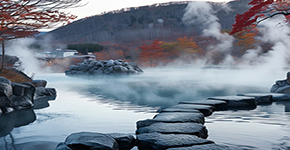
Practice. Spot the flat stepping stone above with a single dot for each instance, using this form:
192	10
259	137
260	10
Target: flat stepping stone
206	110
261	98
217	104
237	102
176	117
158	141
176	128
178	110
202	147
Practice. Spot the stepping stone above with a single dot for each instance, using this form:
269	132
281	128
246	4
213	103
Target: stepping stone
158	141
176	128
217	104
237	102
260	97
205	109
202	147
178	110
174	117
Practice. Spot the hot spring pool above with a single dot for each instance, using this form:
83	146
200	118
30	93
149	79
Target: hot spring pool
115	104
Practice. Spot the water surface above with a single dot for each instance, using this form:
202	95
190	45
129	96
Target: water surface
114	104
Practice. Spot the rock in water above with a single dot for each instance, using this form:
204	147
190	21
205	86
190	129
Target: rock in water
89	140
103	68
282	86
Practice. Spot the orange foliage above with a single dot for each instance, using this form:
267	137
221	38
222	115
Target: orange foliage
106	55
153	53
185	48
15	76
246	40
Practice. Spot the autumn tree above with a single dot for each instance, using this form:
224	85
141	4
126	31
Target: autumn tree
184	48
153	53
260	11
22	18
245	40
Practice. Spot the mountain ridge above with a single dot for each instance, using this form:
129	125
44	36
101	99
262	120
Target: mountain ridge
132	25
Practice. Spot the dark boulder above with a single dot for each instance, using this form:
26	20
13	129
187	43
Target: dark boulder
282	86
25	89
39	83
44	92
62	146
4	103
21	102
125	141
5	87
90	141
175	128
158	141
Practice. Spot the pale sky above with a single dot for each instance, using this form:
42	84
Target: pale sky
95	7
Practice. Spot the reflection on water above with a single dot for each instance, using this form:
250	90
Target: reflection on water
266	127
114	104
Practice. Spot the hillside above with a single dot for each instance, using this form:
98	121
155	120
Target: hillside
132	25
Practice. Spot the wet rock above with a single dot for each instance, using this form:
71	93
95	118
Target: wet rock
206	110
62	146
125	141
21	102
44	92
25	89
217	104
175	128
202	147
6	110
261	98
35	145
176	117
15	119
89	140
4	103
39	83
103	68
280	97
5	87
282	86
237	102
178	110
158	141
42	102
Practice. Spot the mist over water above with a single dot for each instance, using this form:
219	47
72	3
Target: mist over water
166	87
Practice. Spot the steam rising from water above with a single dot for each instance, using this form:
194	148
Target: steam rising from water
20	48
272	31
203	13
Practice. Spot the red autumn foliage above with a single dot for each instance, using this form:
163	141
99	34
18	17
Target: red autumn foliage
260	11
153	53
22	18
